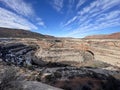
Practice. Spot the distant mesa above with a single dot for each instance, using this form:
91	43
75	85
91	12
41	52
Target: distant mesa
107	36
19	33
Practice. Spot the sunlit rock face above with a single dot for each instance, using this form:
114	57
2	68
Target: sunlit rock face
63	51
72	51
80	50
42	53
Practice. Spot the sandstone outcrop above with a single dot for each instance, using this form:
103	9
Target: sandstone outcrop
109	36
63	51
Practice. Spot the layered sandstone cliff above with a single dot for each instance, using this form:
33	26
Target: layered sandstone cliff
109	36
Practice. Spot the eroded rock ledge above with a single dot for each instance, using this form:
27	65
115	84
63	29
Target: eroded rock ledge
72	78
51	68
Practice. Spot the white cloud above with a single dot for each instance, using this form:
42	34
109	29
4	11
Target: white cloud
19	14
96	16
19	6
57	4
12	20
107	4
70	21
80	2
40	22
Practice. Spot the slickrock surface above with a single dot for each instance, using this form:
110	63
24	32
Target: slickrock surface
74	51
106	50
53	61
80	50
71	78
63	51
37	86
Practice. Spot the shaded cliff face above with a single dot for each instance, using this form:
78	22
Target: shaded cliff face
109	36
71	78
18	54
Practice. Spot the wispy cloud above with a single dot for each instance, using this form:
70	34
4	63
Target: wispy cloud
97	15
19	14
19	6
57	4
70	21
40	22
80	2
11	20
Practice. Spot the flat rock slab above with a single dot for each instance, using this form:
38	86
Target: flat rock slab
32	85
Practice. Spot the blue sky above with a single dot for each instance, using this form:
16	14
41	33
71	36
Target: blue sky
62	18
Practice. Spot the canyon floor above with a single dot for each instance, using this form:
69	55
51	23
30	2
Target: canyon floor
65	63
